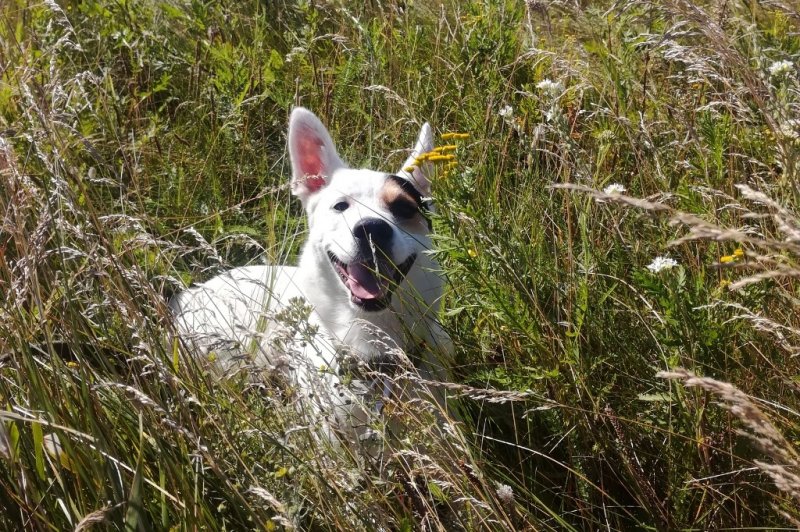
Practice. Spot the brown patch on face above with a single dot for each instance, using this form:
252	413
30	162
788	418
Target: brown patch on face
401	204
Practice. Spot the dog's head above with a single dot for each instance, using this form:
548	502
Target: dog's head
369	227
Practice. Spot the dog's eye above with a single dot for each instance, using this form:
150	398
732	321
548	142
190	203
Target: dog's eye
341	206
403	209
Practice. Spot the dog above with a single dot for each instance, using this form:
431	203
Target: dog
365	273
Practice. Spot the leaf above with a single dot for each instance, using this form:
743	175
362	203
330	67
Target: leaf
176	358
38	449
655	397
135	519
54	448
6	450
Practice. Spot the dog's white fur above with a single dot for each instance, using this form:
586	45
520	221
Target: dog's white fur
234	314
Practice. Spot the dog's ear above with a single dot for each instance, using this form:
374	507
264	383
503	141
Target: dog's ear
313	155
420	174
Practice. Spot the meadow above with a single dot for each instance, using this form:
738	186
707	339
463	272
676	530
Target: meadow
620	236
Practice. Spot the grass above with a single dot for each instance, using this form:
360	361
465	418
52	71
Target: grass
144	148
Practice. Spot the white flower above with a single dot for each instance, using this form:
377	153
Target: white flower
781	68
661	263
506	111
505	494
548	86
614	188
296	51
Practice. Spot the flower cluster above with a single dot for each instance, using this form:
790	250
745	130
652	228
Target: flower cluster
455	136
550	87
505	493
736	255
441	154
506	111
660	264
781	68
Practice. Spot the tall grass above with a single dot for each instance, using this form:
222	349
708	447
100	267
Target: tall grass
143	149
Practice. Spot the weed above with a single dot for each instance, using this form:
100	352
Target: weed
624	206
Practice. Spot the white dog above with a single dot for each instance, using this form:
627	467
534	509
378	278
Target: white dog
365	271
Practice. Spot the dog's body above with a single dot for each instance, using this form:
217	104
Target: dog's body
365	272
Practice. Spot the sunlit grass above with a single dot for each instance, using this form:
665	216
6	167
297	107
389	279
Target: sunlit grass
616	199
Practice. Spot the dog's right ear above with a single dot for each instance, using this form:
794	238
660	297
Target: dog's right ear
313	155
420	173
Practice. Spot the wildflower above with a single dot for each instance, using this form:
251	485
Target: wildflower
661	263
296	51
781	68
614	188
72	364
409	168
548	86
472	253
438	158
725	283
455	136
506	111
446	148
505	493
737	254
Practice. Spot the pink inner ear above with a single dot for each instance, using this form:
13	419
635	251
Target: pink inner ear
309	148
314	182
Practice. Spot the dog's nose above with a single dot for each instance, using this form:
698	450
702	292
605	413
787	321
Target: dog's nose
371	233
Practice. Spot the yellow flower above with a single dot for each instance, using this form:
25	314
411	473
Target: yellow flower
409	168
724	284
472	253
455	136
437	158
737	254
447	148
73	365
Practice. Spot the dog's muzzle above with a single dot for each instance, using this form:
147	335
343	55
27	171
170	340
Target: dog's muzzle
371	282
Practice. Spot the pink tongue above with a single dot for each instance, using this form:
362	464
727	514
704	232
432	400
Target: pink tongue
362	282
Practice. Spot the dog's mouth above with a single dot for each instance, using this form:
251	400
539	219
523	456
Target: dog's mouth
371	282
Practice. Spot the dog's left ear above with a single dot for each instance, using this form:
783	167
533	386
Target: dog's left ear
312	152
421	173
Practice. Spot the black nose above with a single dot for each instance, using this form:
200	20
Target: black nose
373	233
